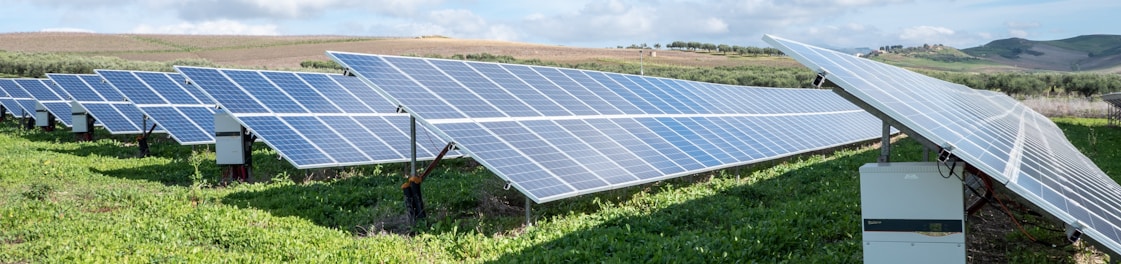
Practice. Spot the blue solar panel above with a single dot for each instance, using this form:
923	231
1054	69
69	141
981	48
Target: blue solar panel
1006	140
166	100
555	133
7	100
99	99
45	92
312	119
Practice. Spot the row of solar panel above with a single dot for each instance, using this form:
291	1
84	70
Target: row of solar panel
1004	139
555	133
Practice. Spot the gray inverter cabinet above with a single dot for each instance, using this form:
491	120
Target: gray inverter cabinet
78	118
912	212
229	147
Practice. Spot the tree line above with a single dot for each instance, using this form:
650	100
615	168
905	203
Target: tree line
723	48
37	65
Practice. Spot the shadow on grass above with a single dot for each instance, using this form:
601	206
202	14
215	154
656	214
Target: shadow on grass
807	214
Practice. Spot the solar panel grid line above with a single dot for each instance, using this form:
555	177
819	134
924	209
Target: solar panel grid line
335	90
43	91
334	107
1052	175
325	135
459	105
522	129
372	99
176	95
118	117
287	121
183	123
453	68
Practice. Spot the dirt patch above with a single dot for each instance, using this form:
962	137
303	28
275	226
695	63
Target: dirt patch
994	237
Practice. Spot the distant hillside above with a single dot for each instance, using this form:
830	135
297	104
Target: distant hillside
1081	53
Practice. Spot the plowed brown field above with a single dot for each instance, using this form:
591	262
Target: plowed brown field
289	51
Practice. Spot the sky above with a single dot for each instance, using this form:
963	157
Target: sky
581	23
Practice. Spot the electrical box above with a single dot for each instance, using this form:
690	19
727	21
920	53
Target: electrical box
42	117
913	212
78	117
229	144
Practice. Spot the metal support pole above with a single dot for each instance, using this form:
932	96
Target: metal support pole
528	213
885	144
412	137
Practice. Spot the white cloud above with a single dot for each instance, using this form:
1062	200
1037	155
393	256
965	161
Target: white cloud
714	25
67	29
923	33
216	27
457	23
1018	33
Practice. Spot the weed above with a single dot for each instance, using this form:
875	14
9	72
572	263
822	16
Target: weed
38	191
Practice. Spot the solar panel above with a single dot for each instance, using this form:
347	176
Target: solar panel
1006	140
554	133
25	103
166	100
46	93
1114	111
312	119
8	101
102	102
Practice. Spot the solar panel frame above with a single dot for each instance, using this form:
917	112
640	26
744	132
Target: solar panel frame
596	133
1023	150
46	93
189	123
288	112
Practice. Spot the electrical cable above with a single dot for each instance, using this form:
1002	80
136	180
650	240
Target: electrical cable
1013	217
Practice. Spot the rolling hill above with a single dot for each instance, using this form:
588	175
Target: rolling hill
1081	53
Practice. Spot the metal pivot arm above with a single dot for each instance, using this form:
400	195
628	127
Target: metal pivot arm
414	202
142	140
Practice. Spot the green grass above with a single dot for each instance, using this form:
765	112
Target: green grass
62	201
924	63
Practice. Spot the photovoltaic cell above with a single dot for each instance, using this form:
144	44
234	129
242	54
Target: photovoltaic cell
106	105
167	101
313	119
1006	140
554	133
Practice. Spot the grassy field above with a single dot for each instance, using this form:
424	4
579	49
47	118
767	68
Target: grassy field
62	201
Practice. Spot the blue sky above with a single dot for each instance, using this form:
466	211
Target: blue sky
605	23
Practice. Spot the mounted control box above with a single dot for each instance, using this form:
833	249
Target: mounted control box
229	143
913	212
42	117
78	118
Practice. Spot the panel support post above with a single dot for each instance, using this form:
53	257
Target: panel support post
528	212
885	144
2	111
412	146
28	121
